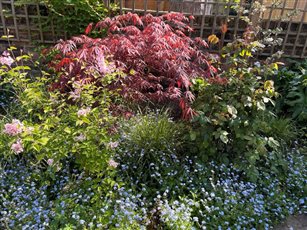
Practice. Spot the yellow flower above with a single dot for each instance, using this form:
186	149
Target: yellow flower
268	85
213	39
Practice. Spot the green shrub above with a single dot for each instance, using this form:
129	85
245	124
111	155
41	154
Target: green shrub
234	122
51	125
291	83
282	129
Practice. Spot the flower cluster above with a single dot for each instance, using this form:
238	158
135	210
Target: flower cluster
24	202
113	145
17	147
14	128
222	199
6	59
176	215
80	138
112	163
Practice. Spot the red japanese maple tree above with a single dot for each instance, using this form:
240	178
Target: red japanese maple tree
156	55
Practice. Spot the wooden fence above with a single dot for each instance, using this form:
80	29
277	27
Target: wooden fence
29	23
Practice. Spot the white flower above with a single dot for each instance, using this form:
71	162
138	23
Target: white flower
76	94
113	145
112	163
29	130
50	162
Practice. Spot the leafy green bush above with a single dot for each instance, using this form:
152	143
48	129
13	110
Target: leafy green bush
52	126
291	83
234	121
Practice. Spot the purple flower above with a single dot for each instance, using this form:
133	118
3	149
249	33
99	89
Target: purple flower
76	94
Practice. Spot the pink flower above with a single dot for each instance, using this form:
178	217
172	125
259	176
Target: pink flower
6	59
50	162
112	163
83	112
17	147
113	145
14	128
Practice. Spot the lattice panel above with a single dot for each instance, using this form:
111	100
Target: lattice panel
30	24
211	14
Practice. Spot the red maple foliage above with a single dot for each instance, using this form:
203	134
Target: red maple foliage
155	54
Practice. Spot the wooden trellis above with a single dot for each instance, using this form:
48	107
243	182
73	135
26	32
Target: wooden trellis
30	24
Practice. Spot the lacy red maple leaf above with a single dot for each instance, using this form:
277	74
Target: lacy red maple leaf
156	55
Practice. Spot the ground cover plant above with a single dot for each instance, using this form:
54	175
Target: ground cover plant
217	198
83	144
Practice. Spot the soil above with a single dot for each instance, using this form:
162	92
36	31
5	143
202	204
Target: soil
294	223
